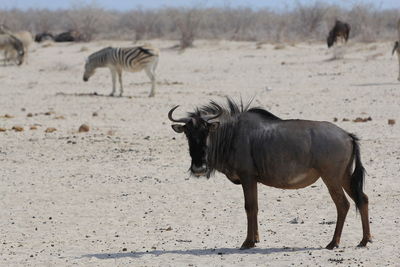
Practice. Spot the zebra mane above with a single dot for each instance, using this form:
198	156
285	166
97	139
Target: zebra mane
100	52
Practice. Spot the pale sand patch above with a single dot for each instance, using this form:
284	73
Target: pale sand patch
120	194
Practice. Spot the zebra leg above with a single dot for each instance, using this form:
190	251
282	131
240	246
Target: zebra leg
120	82
5	57
113	74
398	57
150	73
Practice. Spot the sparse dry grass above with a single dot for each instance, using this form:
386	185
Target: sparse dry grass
303	23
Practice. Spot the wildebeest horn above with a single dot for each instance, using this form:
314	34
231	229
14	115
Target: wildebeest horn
182	120
211	117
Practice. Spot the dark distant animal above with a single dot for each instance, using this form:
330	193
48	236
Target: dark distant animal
44	36
396	47
69	36
251	146
10	44
131	59
340	30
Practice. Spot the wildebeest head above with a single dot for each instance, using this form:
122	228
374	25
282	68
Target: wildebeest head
89	70
19	48
196	128
331	38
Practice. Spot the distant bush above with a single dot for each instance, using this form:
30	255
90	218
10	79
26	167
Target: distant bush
302	23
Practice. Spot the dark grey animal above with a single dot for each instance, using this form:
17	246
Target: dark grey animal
340	30
44	36
251	146
69	36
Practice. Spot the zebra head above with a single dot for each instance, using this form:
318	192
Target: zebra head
89	70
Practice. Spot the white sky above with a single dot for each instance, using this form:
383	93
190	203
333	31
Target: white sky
121	5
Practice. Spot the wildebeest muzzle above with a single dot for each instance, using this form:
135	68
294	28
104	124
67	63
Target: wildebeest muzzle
198	171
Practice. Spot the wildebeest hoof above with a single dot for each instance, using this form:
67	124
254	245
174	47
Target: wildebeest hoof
332	245
112	94
247	244
151	95
364	242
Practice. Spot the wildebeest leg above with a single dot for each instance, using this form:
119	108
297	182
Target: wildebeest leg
113	74
119	72
342	207
150	73
251	207
363	212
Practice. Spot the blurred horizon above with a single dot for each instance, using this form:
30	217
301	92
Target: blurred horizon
125	5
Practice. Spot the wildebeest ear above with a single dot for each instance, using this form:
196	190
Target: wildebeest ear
213	126
177	128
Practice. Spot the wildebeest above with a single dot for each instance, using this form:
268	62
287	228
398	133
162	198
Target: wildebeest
69	36
131	59
341	29
251	146
44	36
9	42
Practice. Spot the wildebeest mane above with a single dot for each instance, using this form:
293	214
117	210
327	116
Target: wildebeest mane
221	141
231	110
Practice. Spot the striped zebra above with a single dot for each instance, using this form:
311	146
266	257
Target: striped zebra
131	59
10	44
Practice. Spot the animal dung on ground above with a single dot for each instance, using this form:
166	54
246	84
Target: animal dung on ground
33	127
84	128
95	114
17	128
3	129
7	116
391	121
29	115
358	119
50	130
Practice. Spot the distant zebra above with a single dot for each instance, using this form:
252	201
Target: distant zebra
131	59
26	38
9	43
396	47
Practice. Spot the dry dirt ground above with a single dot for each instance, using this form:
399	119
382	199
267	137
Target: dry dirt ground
121	194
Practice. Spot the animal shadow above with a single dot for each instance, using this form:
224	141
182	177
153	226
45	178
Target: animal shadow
374	84
95	94
196	252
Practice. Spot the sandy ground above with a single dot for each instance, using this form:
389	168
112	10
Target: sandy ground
121	194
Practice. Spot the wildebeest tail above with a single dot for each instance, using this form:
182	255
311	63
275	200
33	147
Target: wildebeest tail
357	178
